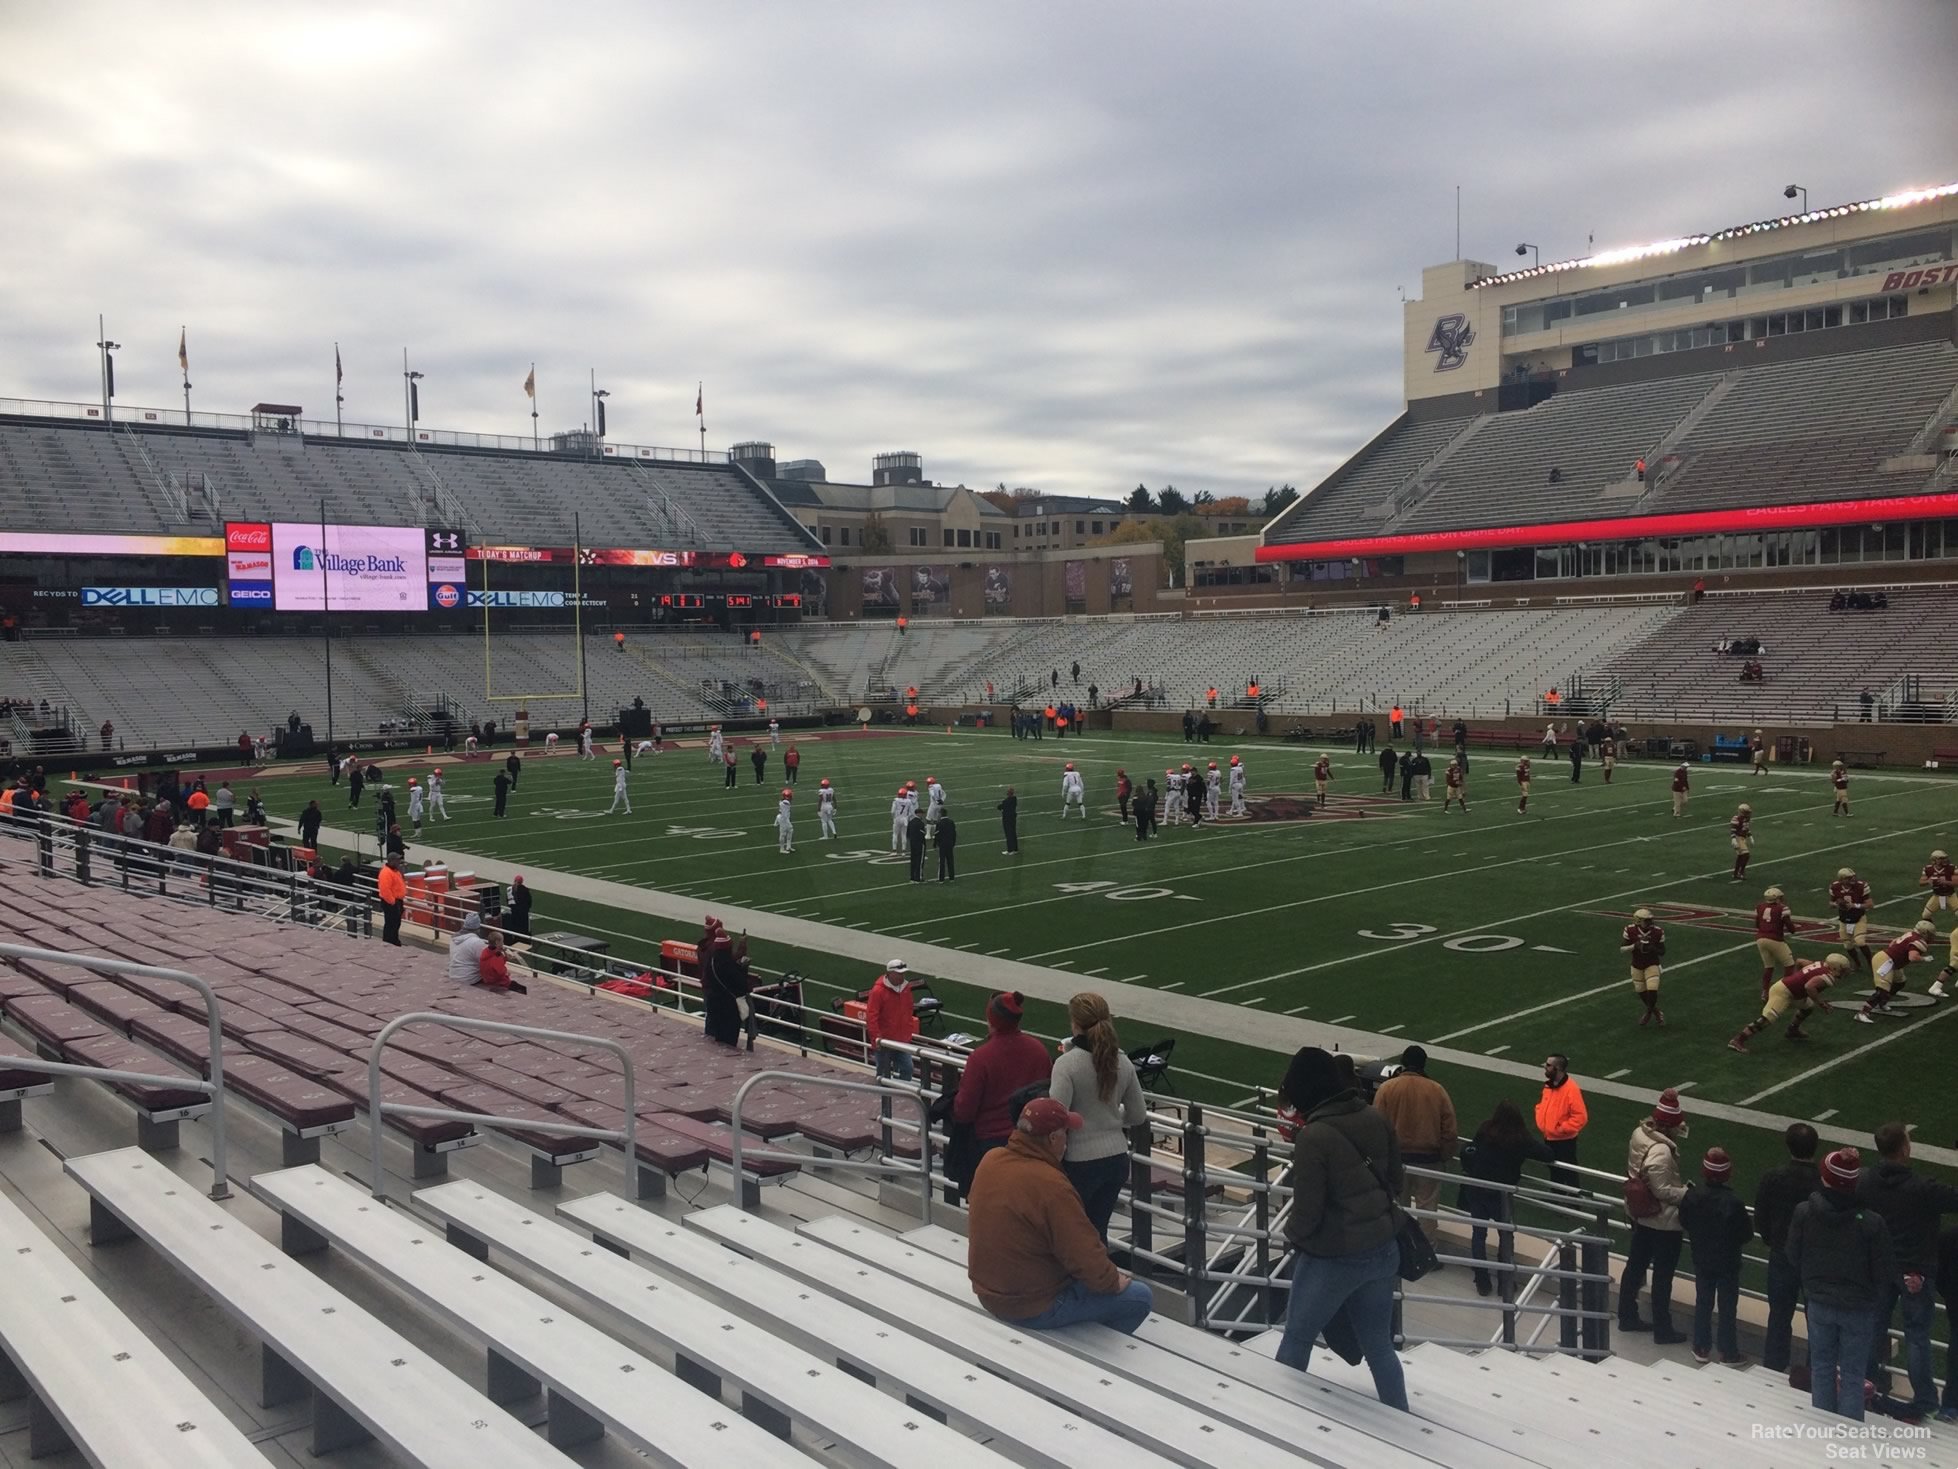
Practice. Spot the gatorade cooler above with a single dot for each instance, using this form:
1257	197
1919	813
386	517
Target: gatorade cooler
523	727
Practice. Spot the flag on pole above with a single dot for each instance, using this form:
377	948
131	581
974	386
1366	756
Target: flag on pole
183	350
530	385
699	397
338	375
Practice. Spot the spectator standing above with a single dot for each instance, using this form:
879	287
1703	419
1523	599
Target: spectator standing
914	838
889	1015
1912	1206
1031	1254
1423	777
1093	1077
1653	1189
1422	1115
759	759
1009	820
1780	1192
1346	1171
225	804
1561	1114
1496	1154
392	888
1576	755
502	786
516	921
1007	1061
1844	1256
1717	1225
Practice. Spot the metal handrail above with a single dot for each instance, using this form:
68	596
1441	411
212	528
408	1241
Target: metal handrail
777	1155
377	1109
213	1087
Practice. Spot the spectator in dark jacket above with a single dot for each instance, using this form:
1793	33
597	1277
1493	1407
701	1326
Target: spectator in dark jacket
1388	760
1948	1289
1912	1207
1346	1174
1776	1197
1844	1256
1718	1229
1496	1154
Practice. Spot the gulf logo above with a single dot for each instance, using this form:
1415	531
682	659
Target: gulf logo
447	596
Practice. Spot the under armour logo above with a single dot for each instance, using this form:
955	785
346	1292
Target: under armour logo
444	540
1451	338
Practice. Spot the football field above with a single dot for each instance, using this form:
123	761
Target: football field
1489	932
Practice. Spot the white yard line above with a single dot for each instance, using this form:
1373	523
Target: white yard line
1847	1056
1616	984
1340	1021
1298	1009
1825	1116
1495	1051
1388	1029
1621	1071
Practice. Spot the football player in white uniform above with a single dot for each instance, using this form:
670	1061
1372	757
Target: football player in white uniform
550	743
900	814
1237	786
1073	792
934	806
1174	801
826	807
438	803
774	734
1213	793
619	797
415	799
785	821
715	748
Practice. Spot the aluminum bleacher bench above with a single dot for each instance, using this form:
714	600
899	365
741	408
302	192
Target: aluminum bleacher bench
1187	1363
1350	1399
1217	1436
1026	1425
781	1385
96	1382
16	1084
592	1382
367	1380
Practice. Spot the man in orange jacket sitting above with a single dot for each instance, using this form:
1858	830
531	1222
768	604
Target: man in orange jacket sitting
1032	1254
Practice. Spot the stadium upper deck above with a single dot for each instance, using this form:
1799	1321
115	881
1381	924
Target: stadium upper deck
63	469
1783	383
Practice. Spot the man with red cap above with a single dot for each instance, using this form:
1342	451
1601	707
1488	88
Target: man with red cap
1032	1253
1844	1256
1717	1225
1653	1189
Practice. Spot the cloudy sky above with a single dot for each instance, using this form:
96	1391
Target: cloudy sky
1073	245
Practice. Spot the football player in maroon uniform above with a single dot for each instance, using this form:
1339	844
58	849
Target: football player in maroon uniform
1801	990
1644	942
1850	896
1772	925
1890	964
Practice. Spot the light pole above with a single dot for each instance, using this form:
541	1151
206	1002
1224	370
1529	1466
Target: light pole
1792	190
1535	254
104	346
411	396
339	398
598	397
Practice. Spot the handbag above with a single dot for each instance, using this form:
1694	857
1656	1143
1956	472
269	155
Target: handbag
1640	1201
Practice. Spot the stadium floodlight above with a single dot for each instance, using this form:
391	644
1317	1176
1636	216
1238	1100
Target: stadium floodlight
1792	190
105	347
1531	250
598	397
412	399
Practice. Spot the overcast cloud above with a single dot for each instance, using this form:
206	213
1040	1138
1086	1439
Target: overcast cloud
1074	246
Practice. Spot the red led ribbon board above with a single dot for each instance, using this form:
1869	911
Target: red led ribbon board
1760	520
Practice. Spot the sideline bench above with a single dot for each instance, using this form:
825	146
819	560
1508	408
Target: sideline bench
591	1381
1040	1432
781	1385
1030	1360
97	1383
367	1380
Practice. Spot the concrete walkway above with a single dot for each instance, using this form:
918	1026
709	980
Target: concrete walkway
1149	1008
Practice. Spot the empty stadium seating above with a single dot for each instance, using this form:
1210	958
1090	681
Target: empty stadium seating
73	477
1817	662
1746	434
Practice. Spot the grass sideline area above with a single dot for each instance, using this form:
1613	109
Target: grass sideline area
1492	931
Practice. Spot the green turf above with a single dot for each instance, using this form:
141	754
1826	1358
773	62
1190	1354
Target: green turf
1491	932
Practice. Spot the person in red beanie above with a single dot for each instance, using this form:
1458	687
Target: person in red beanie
1002	1064
1718	1227
1653	1189
1846	1261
